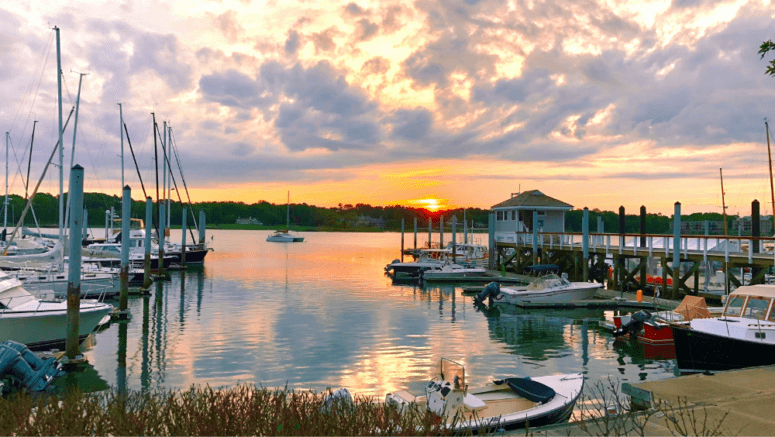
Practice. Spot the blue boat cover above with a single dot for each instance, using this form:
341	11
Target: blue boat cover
529	389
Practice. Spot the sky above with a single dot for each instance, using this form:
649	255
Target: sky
438	104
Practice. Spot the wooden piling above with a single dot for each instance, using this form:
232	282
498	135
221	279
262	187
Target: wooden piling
126	214
72	344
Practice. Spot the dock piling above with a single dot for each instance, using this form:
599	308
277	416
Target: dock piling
126	212
147	281
72	345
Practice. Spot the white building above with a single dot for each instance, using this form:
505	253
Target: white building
515	215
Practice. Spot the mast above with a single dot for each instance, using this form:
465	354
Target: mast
5	218
168	170
156	160
75	132
288	213
163	220
121	128
29	161
769	153
723	205
61	142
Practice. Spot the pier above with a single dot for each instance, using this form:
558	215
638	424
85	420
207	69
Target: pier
622	260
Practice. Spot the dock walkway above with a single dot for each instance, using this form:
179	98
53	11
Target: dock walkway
742	398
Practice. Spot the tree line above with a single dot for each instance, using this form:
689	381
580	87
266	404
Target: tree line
341	217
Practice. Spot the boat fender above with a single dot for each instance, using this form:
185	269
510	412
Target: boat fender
635	324
492	289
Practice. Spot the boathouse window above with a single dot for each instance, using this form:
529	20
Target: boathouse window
734	306
513	215
756	307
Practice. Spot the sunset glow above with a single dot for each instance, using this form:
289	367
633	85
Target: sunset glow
378	102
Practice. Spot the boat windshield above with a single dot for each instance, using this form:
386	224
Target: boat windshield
734	306
756	308
453	372
548	281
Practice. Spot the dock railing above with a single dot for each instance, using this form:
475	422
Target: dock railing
731	247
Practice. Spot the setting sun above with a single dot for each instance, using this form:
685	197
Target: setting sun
431	204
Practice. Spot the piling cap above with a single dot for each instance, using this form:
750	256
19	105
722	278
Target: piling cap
77	167
127	188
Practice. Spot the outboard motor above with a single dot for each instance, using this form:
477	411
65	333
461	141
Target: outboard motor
492	289
635	324
31	372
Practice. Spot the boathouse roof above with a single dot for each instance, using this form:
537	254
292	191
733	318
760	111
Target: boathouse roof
533	199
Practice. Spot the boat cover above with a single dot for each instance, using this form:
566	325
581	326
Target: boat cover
529	389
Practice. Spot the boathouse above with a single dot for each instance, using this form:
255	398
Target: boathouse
515	215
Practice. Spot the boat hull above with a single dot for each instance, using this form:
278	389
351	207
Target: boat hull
582	292
698	351
48	328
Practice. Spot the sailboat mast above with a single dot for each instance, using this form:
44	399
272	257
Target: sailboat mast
61	141
29	161
5	208
121	128
769	153
723	205
288	212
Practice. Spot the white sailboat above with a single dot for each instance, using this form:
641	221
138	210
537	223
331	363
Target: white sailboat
285	235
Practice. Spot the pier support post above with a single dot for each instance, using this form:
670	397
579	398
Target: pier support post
147	281
183	228
642	226
441	232
676	249
402	240
585	242
415	235
72	344
465	228
430	231
162	231
491	239
85	233
454	242
126	213
202	227
535	237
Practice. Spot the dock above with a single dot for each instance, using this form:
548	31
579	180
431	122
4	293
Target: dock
739	400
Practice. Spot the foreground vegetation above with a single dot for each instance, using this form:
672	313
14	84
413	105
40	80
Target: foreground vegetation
250	410
242	410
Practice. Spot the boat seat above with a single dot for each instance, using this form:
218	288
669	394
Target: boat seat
473	403
404	396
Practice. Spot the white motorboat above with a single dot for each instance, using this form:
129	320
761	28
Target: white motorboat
415	270
548	288
42	323
503	404
743	336
94	285
456	272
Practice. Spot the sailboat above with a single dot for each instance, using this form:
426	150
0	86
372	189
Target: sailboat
284	235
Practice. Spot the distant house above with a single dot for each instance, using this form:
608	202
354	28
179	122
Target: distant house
516	215
249	221
366	221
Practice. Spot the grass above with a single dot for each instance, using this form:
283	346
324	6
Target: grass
242	410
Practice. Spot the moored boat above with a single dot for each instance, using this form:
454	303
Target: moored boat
42	323
546	289
743	336
507	403
456	272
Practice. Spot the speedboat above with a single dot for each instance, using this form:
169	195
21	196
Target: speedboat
743	336
42	323
284	236
547	289
456	272
415	270
507	403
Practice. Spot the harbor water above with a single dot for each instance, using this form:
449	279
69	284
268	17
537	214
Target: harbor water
322	314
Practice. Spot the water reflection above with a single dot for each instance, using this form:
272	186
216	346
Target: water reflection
322	314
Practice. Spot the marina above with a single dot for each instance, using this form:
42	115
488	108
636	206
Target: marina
323	314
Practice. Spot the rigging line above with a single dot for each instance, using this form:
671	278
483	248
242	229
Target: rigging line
34	192
145	195
183	178
37	89
172	177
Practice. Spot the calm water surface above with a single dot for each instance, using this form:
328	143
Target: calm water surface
323	314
